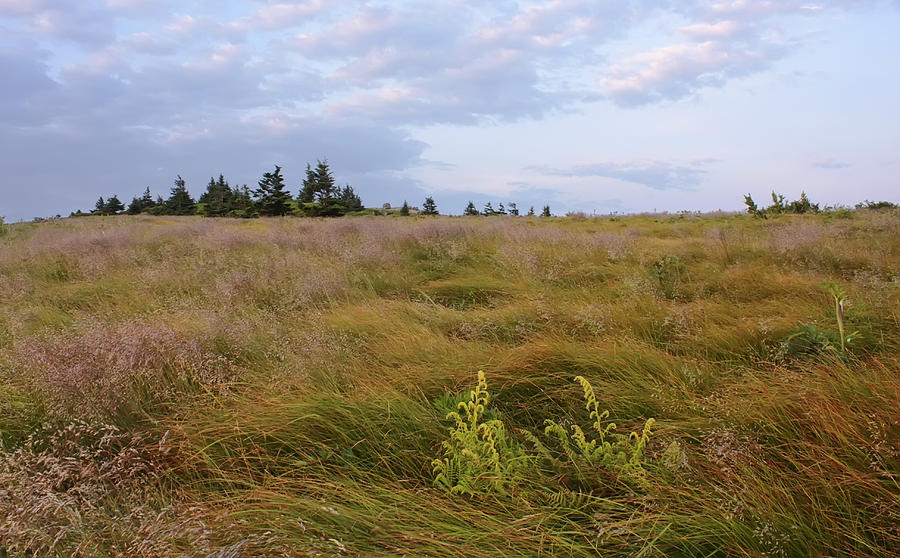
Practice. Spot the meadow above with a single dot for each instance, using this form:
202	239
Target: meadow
185	386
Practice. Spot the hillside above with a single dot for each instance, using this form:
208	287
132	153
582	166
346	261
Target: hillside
176	386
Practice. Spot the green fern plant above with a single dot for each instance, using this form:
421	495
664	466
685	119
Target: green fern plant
810	339
479	457
618	454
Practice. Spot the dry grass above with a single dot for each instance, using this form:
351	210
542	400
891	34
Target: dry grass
199	387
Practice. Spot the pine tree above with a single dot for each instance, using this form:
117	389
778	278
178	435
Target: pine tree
147	199
134	207
349	200
404	209
752	208
470	209
531	211
325	189
546	211
100	207
180	201
488	209
113	205
501	210
307	192
141	204
429	207
513	210
271	195
216	199
242	203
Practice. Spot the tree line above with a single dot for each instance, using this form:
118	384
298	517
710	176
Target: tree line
319	196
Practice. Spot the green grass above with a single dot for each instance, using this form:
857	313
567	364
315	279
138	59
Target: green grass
281	386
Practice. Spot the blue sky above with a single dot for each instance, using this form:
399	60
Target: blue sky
597	106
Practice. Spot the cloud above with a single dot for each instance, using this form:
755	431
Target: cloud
106	93
830	163
652	174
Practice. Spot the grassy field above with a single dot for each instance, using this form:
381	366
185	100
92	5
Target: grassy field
281	387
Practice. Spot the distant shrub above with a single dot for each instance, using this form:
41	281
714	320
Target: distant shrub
666	272
3	227
876	205
779	206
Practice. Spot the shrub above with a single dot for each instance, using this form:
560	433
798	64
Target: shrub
667	271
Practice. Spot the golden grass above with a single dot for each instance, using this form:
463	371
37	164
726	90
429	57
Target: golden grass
278	386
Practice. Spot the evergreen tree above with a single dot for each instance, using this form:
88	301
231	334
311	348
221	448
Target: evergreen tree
307	192
141	204
147	199
488	209
100	206
777	203
404	209
216	199
546	211
113	205
429	207
470	209
134	207
242	203
752	208
513	210
531	211
501	210
803	205
325	189
180	201
271	195
349	200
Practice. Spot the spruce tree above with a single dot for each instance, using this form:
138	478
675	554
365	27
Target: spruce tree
488	209
349	201
325	188
180	201
546	211
217	198
242	203
114	205
513	210
271	194
307	192
100	207
501	210
134	207
404	209
531	211
429	207
470	209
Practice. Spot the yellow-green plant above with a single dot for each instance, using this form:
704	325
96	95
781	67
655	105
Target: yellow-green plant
619	454
840	296
479	457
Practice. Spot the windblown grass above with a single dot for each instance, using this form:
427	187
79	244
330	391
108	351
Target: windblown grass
198	387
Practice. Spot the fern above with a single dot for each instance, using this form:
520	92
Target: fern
615	453
480	456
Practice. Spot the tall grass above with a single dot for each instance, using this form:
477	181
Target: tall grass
188	386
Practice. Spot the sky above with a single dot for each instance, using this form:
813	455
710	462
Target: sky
597	106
